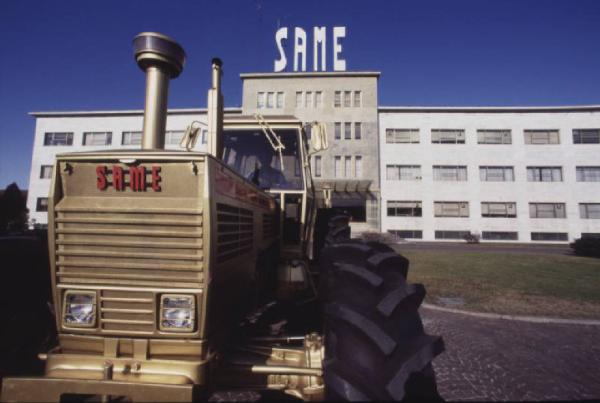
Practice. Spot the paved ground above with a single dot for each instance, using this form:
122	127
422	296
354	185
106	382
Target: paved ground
496	359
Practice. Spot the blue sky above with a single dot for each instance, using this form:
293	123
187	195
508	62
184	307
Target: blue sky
76	55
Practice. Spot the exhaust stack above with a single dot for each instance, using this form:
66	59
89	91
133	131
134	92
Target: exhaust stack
162	59
215	111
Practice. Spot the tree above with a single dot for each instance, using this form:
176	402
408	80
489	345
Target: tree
13	210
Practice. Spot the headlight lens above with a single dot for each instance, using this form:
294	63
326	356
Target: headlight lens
177	312
79	309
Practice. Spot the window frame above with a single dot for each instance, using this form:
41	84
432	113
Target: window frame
107	139
445	212
43	169
508	207
537	173
457	140
529	140
400	177
484	172
415	211
504	135
534	210
393	135
50	138
577	135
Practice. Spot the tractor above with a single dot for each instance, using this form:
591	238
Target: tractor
220	275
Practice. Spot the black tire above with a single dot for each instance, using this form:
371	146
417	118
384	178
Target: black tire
338	230
375	344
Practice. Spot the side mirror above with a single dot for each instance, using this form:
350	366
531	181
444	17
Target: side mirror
318	136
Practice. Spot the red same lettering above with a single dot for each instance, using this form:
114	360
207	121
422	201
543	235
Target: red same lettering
117	177
137	178
101	177
156	178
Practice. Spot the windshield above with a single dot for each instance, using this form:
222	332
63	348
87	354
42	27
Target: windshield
252	156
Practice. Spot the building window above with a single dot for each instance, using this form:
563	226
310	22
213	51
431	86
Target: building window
544	174
308	98
97	138
397	208
500	235
590	235
318	99
588	174
589	210
347	131
549	236
401	136
586	136
357	99
131	138
499	209
338	130
451	234
338	166
46	172
357	130
494	137
270	99
204	136
173	137
403	172
260	100
451	209
547	210
42	204
496	174
347	166
279	100
358	171
347	99
317	166
448	136
407	234
449	173
542	137
337	99
58	139
298	99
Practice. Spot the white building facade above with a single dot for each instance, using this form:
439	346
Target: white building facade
505	174
515	174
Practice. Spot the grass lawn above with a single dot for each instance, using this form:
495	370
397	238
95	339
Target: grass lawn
510	283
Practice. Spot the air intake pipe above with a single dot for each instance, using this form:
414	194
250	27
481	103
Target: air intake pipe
215	111
162	59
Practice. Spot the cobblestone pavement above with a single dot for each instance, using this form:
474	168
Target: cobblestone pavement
497	359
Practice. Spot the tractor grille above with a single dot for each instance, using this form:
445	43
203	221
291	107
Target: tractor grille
127	311
121	247
270	226
234	231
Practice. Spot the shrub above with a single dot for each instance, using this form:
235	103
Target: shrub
588	246
472	238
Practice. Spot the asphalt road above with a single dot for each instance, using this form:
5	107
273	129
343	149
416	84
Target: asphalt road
500	360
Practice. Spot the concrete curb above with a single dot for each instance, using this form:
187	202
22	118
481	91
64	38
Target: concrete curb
531	319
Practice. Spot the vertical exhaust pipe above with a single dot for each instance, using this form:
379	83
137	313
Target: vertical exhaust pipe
215	111
161	58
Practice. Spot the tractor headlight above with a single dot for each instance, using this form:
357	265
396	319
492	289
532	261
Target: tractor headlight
177	312
79	309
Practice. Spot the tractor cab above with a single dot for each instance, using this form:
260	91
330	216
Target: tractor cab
272	152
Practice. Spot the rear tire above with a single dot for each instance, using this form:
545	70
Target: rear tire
375	344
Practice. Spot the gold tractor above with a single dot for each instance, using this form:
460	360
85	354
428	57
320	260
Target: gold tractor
180	275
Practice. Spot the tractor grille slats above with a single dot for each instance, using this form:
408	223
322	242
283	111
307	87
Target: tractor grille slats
129	248
235	228
127	311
